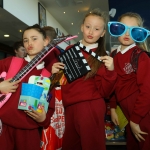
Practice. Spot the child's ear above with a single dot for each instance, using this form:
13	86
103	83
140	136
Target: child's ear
15	51
46	41
82	28
103	33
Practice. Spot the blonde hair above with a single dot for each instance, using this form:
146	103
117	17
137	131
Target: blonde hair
140	23
101	50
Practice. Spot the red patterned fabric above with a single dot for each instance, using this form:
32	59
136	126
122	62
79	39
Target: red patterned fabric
52	136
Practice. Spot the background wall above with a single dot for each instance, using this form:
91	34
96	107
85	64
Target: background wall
27	12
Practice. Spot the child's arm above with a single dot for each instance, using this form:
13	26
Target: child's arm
8	87
113	106
114	116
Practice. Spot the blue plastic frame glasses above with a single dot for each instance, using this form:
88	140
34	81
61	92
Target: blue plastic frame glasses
138	34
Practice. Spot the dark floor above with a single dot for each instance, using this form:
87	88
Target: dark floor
115	147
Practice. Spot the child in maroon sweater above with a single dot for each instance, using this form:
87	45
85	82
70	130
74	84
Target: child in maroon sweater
133	82
20	128
83	98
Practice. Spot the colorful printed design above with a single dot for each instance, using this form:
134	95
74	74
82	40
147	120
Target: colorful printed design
52	136
40	106
35	94
23	103
128	68
43	82
109	130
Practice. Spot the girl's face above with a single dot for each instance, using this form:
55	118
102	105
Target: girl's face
21	52
93	29
125	39
34	42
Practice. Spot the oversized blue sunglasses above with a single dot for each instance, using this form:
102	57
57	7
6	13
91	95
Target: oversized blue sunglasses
138	34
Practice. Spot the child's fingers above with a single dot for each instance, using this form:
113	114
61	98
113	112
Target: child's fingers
33	114
141	137
13	90
43	110
58	64
143	132
105	58
116	121
137	138
16	82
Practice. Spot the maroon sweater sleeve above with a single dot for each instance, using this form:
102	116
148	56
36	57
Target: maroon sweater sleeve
113	101
142	105
105	81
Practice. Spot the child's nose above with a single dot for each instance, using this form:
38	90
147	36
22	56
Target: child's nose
29	42
127	32
90	31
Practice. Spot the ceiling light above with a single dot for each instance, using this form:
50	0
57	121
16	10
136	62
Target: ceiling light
6	35
64	12
20	30
72	23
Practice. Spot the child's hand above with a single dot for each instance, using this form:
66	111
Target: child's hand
108	62
137	131
114	116
57	66
37	116
8	87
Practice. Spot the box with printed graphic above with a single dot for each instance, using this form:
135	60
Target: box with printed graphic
34	94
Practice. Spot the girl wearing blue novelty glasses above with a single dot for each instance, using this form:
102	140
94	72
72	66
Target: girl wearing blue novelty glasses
133	84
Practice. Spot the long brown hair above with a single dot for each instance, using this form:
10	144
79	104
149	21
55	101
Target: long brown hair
101	49
140	22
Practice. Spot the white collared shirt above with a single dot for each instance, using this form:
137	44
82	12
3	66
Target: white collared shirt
91	46
126	49
39	66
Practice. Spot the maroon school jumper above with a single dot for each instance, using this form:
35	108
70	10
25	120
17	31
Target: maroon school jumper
133	93
20	132
85	109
